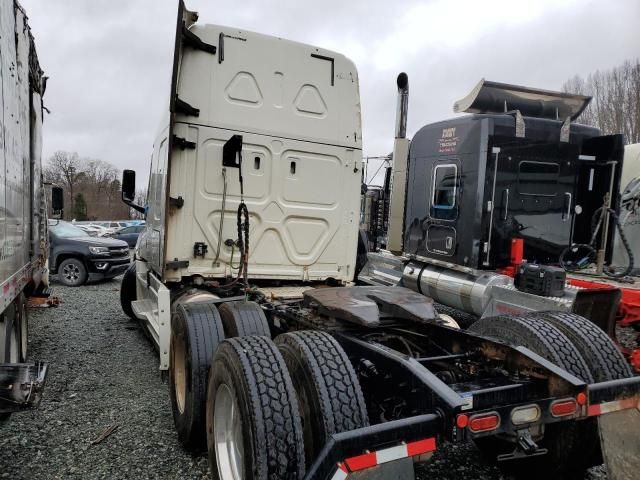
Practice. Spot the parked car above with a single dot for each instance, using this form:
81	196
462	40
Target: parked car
92	230
76	257
128	234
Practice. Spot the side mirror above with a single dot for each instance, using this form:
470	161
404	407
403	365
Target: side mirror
57	199
128	185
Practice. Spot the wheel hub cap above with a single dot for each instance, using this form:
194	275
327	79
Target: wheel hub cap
179	371
71	272
227	431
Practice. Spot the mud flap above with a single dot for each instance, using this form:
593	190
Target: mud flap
621	443
21	385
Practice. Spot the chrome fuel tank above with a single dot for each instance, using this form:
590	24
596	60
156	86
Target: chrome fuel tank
468	292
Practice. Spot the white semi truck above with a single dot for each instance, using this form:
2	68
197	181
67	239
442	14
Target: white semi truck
23	208
278	365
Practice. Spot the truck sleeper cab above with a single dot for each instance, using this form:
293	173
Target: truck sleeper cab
253	202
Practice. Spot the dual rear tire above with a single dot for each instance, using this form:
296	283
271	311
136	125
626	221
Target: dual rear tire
581	348
268	407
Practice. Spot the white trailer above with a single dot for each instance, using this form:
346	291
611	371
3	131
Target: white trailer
23	209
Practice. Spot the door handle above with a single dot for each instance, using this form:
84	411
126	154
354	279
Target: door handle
568	197
505	194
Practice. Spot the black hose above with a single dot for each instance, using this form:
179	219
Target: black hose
596	223
625	242
243	241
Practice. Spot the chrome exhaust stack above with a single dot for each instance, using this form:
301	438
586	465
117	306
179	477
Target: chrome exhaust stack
402	109
395	233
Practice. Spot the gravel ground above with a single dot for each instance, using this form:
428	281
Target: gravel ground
104	372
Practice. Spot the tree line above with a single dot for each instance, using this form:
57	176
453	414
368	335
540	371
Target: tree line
615	107
92	187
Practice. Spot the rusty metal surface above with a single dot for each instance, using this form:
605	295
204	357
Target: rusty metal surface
366	305
620	440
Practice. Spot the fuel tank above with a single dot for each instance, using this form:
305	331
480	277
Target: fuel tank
465	291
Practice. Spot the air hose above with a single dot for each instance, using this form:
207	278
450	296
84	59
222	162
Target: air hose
590	248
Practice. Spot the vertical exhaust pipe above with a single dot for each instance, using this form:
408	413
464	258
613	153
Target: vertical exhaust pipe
402	108
395	233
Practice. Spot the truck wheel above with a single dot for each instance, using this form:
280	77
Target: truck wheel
128	292
10	343
10	349
254	430
241	319
604	359
196	332
72	272
568	442
326	385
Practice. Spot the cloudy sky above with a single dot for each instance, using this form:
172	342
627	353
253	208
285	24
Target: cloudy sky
109	61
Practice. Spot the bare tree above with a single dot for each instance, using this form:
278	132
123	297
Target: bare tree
64	169
96	180
615	107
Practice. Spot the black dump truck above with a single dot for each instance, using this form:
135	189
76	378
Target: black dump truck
279	364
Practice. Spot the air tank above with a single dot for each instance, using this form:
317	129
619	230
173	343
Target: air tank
468	292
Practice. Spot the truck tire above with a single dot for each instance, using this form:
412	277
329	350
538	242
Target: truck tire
10	347
327	387
196	332
254	431
72	272
241	319
569	443
604	359
128	291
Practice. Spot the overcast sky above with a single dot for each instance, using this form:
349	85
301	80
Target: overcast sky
109	61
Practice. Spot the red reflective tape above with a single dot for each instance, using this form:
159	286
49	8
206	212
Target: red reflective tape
593	410
421	446
361	462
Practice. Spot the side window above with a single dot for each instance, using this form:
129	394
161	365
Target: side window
538	178
444	191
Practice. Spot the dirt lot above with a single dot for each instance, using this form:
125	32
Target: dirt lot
104	373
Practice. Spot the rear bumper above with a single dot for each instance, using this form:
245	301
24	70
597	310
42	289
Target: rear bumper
21	385
369	448
613	396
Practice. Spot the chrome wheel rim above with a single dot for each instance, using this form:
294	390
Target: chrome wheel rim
179	372
227	431
71	273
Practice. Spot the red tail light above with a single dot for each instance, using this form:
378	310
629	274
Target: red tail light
484	422
562	408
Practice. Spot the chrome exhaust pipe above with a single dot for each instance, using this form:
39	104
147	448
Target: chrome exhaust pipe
403	105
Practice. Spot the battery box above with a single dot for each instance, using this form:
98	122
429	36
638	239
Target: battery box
541	280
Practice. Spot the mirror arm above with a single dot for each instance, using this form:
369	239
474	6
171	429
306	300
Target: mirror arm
136	207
